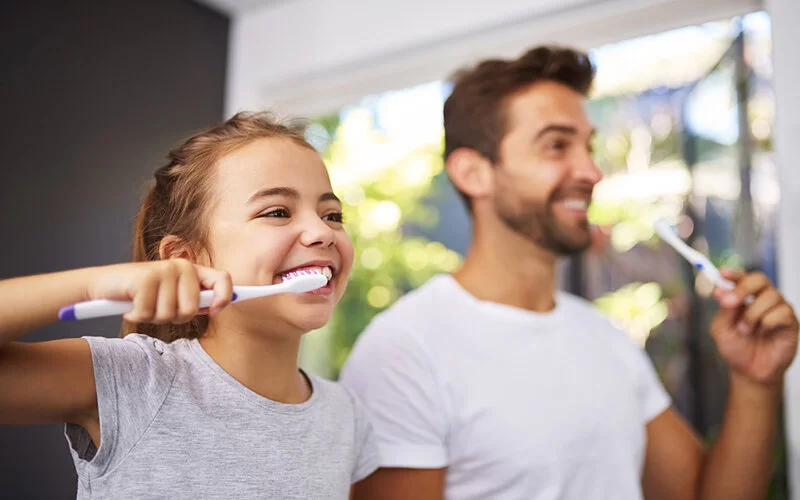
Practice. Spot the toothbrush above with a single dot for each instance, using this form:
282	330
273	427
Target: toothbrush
297	282
695	258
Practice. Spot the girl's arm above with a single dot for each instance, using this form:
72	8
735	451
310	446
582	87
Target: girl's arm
33	302
54	381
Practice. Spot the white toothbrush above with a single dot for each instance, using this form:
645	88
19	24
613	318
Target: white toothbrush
299	282
695	258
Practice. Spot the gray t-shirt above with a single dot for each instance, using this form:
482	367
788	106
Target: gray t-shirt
174	425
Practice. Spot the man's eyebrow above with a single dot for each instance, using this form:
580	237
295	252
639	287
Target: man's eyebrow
564	129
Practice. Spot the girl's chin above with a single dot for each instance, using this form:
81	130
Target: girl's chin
310	320
309	326
304	315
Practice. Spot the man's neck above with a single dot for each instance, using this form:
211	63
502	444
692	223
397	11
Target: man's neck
510	270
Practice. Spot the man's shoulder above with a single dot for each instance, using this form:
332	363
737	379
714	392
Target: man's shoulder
588	319
575	304
406	325
422	303
582	312
425	294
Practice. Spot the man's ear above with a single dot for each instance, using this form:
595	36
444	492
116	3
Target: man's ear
174	247
471	173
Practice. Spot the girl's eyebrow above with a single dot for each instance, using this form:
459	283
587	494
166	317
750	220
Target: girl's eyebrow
287	192
329	197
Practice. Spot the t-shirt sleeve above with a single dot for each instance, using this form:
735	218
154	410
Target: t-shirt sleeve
393	376
132	377
366	447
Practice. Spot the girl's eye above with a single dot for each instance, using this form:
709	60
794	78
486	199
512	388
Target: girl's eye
278	212
335	217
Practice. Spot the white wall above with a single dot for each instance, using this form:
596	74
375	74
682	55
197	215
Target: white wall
308	57
320	39
786	39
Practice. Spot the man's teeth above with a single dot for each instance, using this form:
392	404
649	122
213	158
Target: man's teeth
576	204
325	271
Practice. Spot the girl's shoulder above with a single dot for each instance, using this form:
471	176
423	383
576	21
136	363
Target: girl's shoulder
336	398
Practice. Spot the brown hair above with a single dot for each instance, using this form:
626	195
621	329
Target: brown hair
177	201
475	112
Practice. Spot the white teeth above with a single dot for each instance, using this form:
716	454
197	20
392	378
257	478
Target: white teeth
576	204
326	271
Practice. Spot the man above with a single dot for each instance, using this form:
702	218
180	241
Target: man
490	384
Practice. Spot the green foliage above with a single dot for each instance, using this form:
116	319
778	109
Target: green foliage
637	307
385	185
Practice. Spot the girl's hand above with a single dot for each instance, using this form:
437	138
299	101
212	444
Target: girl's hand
164	291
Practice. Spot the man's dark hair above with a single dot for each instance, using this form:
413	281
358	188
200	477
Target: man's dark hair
475	112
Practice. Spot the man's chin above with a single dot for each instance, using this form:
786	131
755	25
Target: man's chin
573	251
567	245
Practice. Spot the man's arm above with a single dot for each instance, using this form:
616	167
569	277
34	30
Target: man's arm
756	332
739	463
401	484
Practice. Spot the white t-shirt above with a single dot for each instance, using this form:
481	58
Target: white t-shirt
516	404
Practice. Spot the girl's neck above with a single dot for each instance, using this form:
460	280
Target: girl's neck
267	365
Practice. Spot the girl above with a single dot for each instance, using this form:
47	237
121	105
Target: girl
199	405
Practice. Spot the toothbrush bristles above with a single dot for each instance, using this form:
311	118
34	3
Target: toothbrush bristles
301	272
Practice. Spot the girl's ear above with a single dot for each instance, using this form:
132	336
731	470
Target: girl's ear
174	247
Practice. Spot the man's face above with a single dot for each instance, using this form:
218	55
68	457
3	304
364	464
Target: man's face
545	173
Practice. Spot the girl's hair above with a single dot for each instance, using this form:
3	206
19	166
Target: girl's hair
177	201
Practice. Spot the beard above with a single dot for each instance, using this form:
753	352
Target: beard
540	225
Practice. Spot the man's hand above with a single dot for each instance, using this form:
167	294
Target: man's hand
757	337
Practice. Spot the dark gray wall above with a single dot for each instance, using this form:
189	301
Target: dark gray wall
93	95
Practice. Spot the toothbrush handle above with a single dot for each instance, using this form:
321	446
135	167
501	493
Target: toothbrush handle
94	309
725	284
730	285
207	297
103	307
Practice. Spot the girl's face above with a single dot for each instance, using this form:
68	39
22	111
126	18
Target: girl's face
273	211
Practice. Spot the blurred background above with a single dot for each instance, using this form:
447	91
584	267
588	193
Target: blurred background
695	103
